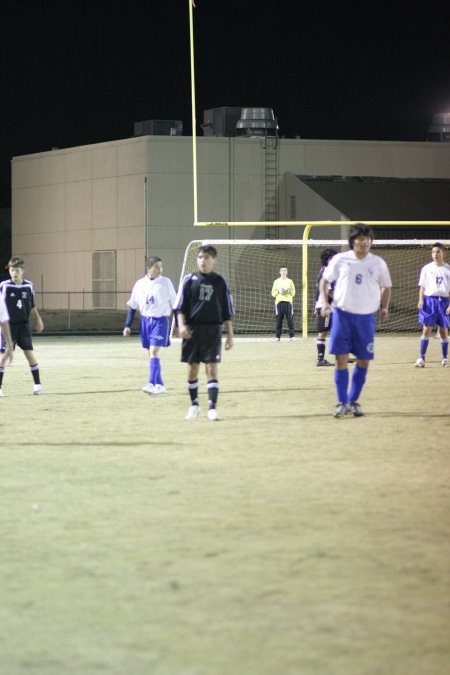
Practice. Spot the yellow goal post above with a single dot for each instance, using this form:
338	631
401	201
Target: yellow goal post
307	225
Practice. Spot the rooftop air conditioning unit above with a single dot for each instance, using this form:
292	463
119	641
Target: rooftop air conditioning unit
256	122
439	130
220	121
158	128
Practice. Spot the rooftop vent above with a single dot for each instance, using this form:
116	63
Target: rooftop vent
220	121
439	130
257	122
158	128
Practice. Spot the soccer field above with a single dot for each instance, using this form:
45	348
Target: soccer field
278	541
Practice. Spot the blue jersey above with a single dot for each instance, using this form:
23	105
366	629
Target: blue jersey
318	298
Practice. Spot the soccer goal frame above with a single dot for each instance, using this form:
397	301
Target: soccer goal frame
307	225
251	265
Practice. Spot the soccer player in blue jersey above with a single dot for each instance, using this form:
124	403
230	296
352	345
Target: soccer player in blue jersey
203	304
434	305
154	297
362	281
18	294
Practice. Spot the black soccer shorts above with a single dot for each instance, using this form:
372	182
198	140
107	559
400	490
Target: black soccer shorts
204	345
324	322
21	335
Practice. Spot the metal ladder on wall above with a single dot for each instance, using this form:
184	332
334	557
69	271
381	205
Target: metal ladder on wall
271	205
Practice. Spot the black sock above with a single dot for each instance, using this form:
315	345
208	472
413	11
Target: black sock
193	391
213	393
320	348
35	373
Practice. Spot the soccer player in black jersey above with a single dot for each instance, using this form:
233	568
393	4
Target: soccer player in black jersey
323	322
203	304
18	294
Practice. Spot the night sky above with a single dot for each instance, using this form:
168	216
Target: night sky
79	72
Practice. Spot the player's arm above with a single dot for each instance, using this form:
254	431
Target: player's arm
292	289
421	297
38	323
9	351
172	295
385	301
128	322
230	334
324	288
183	328
275	289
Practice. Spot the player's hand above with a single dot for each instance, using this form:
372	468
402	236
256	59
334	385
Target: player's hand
126	331
39	325
420	305
325	310
384	314
7	356
184	332
229	343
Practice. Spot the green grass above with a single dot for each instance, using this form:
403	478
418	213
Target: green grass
278	541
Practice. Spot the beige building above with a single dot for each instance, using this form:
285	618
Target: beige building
84	218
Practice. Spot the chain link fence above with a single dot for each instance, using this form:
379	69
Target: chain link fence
82	311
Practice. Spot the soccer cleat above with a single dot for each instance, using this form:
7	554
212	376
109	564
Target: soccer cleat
2	393
213	415
37	389
158	389
444	363
323	362
193	412
352	359
420	363
355	409
342	410
149	388
277	339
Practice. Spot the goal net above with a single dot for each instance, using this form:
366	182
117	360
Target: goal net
251	266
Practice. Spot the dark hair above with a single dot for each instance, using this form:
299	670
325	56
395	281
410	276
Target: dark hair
151	261
327	254
16	262
207	248
359	230
439	245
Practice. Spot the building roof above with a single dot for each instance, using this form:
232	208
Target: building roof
372	198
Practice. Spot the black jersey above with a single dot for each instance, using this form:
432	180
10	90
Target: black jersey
317	300
19	299
204	298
